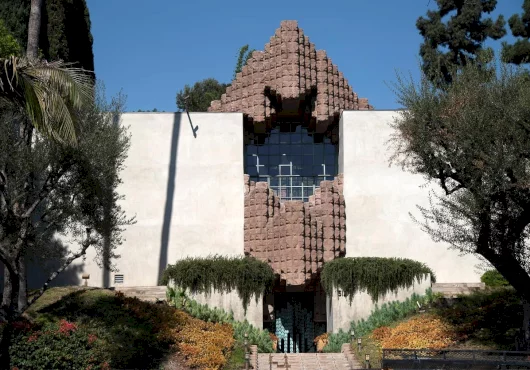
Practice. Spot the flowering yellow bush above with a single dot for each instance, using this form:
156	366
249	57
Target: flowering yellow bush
205	345
425	331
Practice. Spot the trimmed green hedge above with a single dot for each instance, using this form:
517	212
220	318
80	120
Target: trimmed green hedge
247	275
376	275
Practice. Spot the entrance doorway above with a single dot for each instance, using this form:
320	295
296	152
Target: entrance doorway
294	321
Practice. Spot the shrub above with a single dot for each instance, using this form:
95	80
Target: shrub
425	331
204	344
62	345
261	338
385	315
494	279
376	275
247	275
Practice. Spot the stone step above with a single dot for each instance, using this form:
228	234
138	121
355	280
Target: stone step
145	293
304	361
455	289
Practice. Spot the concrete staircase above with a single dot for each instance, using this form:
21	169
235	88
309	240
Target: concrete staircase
304	361
452	290
145	293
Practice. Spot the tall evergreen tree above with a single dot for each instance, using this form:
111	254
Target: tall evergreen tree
455	34
65	29
519	52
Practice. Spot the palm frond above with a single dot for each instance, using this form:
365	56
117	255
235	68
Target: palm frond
51	93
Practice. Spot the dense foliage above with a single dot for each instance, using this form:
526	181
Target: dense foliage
519	52
472	138
493	279
65	29
375	275
206	345
76	328
385	315
8	44
248	276
57	345
197	98
423	331
261	338
454	35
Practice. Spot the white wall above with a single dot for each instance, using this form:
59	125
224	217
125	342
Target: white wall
343	313
186	192
379	199
230	302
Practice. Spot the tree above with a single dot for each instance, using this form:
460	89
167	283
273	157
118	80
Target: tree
32	50
472	138
519	52
242	59
197	98
50	93
454	43
73	196
64	32
9	46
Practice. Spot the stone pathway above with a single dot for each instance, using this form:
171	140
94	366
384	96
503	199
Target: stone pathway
306	361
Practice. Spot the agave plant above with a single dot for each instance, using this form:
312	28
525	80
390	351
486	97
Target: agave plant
50	93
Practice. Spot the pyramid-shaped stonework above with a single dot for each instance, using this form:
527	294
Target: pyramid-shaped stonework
290	79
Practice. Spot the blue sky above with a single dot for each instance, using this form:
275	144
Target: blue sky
151	49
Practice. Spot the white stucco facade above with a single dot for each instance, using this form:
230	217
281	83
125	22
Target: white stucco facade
184	183
185	190
379	199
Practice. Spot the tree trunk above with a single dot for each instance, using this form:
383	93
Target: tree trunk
524	340
8	288
7	330
34	29
5	343
22	285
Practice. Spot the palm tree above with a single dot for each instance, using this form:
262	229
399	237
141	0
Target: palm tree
34	29
50	93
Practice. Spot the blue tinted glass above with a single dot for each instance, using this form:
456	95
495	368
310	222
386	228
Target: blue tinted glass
274	138
307	149
329	149
274	149
251	149
263	160
274	160
296	159
296	149
318	151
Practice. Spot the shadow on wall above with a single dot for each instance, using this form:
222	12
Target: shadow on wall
170	190
40	269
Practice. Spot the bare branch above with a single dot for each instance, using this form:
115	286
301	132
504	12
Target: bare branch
84	246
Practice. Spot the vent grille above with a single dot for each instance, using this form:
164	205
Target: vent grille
118	279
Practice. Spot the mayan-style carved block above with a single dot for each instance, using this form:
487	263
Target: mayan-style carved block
290	65
295	238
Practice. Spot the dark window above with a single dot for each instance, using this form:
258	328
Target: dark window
303	159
